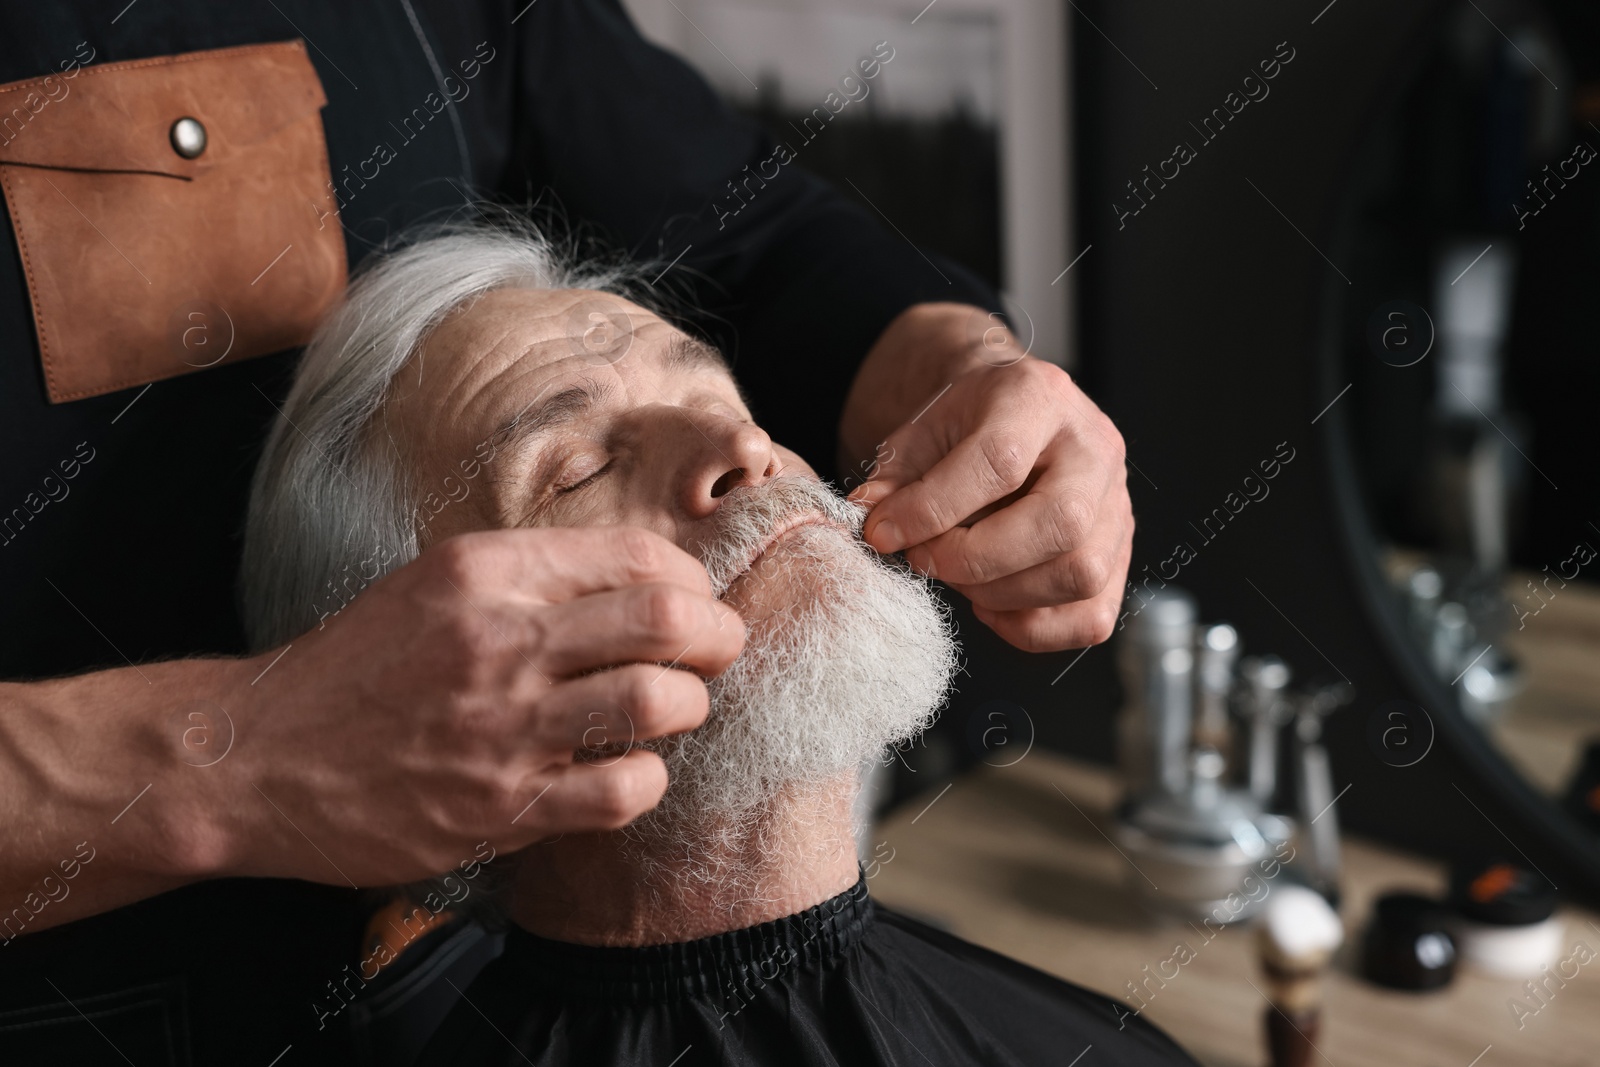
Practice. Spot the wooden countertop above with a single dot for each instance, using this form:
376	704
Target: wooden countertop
1558	643
1014	859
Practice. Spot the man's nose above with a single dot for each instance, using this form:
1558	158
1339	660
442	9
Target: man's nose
730	454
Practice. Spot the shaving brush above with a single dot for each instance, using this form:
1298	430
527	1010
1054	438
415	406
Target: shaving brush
1297	938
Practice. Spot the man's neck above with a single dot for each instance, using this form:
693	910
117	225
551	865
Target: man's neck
593	889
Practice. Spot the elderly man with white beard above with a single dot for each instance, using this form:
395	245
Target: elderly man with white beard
732	923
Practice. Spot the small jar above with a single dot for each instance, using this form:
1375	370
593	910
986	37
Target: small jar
1408	944
1505	920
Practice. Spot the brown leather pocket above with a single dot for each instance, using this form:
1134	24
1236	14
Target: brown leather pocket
146	259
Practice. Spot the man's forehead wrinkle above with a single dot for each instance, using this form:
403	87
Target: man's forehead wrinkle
455	361
471	357
489	359
459	394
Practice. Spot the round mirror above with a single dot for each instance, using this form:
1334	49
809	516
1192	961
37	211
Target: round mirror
1472	247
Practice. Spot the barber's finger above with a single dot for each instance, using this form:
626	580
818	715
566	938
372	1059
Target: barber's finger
979	470
555	564
1061	512
637	702
600	796
899	461
1054	629
1081	574
642	623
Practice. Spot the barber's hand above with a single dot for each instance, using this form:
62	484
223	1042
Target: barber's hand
429	715
1010	488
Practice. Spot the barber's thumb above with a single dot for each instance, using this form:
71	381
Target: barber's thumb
871	493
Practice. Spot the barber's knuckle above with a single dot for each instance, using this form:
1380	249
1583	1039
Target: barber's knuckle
1040	373
973	568
640	551
1027	633
645	694
1120	514
458	560
619	797
1041	385
1006	458
1113	438
1091	624
1090	571
1071	517
457	643
664	611
931	512
1102	622
534	632
627	685
472	726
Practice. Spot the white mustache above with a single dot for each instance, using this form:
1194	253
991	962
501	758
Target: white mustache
750	518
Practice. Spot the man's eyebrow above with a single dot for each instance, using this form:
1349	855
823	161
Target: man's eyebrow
544	413
691	353
687	353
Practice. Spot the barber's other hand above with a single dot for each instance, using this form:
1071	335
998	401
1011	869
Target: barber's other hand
1010	487
428	716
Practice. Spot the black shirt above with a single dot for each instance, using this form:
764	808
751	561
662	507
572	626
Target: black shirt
576	117
848	982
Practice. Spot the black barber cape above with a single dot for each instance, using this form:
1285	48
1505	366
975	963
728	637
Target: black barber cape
135	555
847	982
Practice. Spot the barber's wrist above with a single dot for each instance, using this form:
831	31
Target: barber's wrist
171	743
216	743
925	348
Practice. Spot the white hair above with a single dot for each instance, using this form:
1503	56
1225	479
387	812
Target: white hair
331	508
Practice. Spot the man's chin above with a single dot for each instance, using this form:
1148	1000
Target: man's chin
758	603
778	583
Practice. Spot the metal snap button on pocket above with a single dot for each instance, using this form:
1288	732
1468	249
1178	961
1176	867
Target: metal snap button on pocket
188	137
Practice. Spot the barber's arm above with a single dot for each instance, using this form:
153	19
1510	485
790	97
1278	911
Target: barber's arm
439	711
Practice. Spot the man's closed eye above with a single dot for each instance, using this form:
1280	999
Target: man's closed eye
581	477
